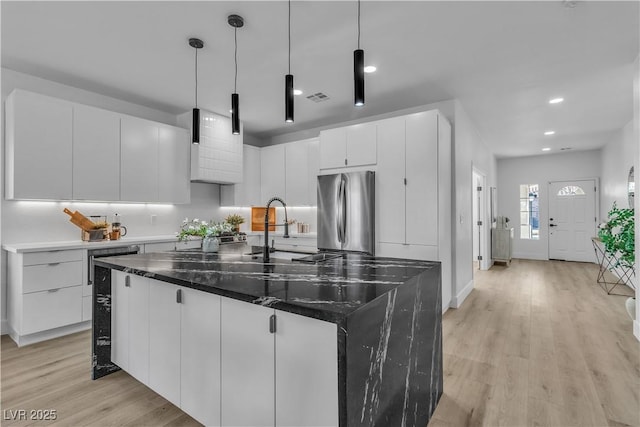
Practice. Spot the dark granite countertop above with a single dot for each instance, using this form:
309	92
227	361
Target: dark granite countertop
329	291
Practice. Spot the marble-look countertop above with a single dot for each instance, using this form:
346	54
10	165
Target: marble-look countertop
329	291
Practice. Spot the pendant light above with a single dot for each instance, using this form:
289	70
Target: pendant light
288	82
195	124
236	21
358	70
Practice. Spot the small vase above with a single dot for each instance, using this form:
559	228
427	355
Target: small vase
210	244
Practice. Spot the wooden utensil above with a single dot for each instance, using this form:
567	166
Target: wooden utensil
80	220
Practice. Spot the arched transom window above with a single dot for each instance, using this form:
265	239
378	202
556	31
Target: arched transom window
571	190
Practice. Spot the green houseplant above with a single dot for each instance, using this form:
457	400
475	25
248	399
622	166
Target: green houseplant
235	220
618	236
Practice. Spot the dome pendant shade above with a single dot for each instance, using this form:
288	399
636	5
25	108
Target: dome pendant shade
358	77
288	98
235	114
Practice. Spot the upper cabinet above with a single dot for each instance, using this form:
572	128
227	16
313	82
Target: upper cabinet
174	152
38	147
139	160
96	154
218	157
248	192
348	146
301	171
60	150
272	172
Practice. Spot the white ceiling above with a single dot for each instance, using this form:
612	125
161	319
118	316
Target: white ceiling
502	60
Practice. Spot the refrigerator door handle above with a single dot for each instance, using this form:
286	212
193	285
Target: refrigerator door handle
343	209
340	219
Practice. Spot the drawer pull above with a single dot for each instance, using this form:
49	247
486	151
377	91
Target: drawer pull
53	264
53	290
127	281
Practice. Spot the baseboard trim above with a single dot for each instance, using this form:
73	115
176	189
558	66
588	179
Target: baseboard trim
457	300
636	329
22	340
4	327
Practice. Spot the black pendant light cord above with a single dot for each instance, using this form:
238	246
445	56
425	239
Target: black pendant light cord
289	36
235	55
358	24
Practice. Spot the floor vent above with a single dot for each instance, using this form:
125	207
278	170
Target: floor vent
318	97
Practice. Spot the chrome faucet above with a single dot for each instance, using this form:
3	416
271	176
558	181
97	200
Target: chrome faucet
266	249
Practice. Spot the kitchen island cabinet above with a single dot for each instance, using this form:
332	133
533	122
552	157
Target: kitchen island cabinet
317	344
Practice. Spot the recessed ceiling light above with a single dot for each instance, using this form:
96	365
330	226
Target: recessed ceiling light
546	149
297	92
556	100
370	69
550	132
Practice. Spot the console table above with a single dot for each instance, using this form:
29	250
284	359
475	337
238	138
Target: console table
624	275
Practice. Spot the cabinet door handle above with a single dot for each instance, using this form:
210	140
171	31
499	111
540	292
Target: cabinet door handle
179	296
53	290
53	264
405	181
345	162
127	281
272	324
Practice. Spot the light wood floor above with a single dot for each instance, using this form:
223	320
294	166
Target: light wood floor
535	344
539	343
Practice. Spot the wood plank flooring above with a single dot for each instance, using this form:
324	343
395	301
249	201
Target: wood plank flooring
538	343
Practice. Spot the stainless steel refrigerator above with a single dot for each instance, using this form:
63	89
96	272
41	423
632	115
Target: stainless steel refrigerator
346	212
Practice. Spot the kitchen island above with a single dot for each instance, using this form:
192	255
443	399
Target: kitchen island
353	341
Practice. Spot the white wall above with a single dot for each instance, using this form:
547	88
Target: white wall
539	170
24	221
617	158
469	152
636	143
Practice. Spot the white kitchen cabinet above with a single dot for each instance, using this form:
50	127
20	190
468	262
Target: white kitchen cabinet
130	324
96	154
354	145
333	148
38	147
218	157
159	247
138	160
313	169
296	173
306	371
164	340
272	173
246	193
247	364
421	194
407	180
413	190
174	157
44	293
390	181
200	356
296	242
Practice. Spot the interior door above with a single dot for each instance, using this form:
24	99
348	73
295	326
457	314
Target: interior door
572	220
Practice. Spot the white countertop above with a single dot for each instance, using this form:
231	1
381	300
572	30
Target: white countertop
280	234
78	244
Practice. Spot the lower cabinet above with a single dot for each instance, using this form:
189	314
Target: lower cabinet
130	324
224	361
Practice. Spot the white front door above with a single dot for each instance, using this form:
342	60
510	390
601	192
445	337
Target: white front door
572	220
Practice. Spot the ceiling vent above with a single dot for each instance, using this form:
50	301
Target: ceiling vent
318	97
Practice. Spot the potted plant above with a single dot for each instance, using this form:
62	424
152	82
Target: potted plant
209	231
618	237
235	220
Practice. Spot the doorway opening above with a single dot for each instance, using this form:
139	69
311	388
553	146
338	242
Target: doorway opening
481	254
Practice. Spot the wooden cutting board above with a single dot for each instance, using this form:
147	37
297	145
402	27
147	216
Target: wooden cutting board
257	218
80	220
